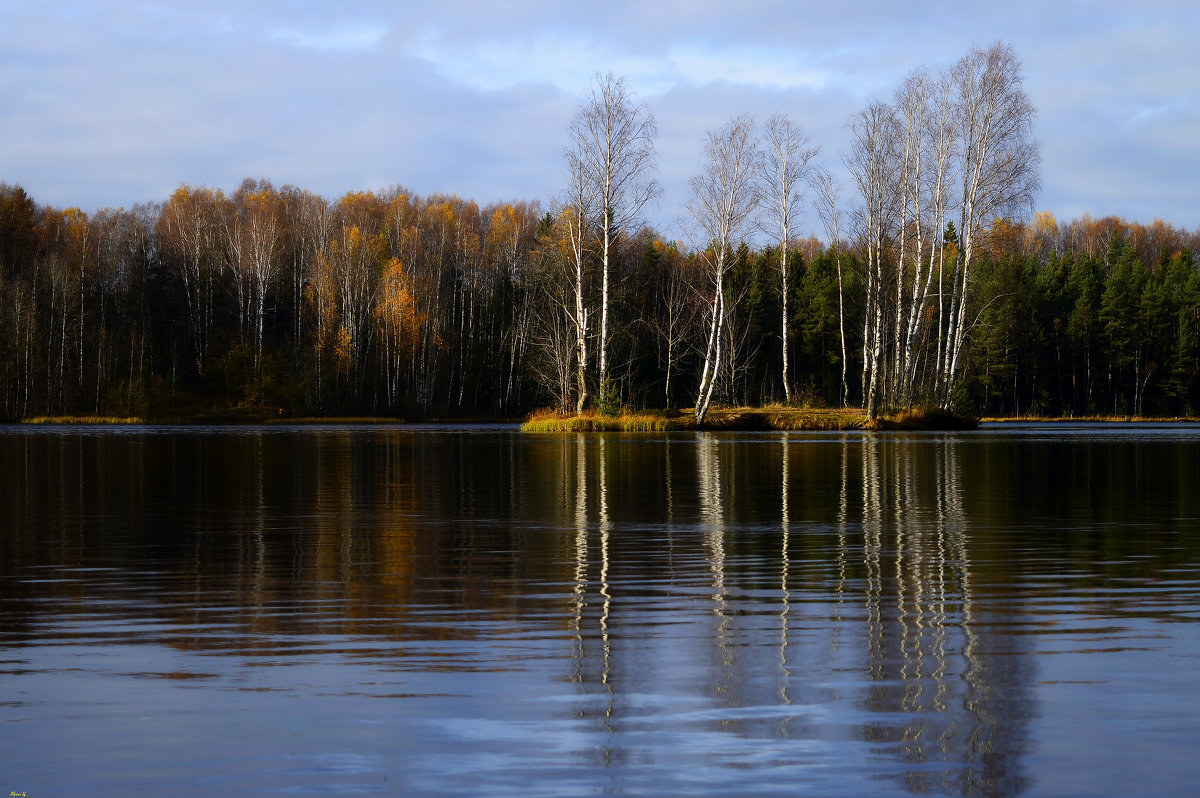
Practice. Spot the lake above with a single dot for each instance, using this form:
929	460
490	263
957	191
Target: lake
467	611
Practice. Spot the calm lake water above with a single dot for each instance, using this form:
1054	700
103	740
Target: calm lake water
473	611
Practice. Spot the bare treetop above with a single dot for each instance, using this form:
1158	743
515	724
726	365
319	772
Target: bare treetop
724	194
1001	157
612	149
785	166
613	139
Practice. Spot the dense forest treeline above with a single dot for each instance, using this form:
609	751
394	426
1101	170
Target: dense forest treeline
393	304
932	286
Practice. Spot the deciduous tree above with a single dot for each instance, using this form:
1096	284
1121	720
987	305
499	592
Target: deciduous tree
999	169
724	195
612	143
787	154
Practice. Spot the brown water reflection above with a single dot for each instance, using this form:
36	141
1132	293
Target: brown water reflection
831	615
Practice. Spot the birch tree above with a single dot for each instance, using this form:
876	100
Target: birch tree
259	213
872	163
189	238
575	219
912	284
399	325
237	263
613	141
941	143
724	195
784	167
307	223
829	210
999	169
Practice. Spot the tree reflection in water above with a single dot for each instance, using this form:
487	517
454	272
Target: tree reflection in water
953	692
872	601
709	601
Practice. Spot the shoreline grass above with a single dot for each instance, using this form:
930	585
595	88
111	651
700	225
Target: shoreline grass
770	418
592	421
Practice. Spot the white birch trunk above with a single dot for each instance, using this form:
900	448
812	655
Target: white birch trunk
613	147
784	167
723	197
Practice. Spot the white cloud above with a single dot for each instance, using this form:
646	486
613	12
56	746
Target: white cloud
569	63
362	36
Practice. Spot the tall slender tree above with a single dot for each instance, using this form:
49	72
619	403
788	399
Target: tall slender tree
872	163
724	195
612	140
829	210
576	219
189	235
999	169
787	154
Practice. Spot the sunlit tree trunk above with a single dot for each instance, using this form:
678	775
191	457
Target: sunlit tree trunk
238	266
912	102
576	219
79	250
872	164
828	210
259	212
940	141
724	195
785	165
188	234
613	142
999	167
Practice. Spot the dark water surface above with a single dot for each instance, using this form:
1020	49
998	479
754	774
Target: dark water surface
472	611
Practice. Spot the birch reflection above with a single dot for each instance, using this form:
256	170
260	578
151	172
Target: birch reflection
579	588
712	515
605	592
784	590
804	597
592	665
927	657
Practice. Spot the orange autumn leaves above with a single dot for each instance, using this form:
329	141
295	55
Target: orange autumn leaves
347	285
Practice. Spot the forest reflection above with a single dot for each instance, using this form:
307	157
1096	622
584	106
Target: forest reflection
707	610
782	588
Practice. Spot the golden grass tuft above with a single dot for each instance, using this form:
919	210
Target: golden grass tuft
922	418
815	418
590	421
1097	419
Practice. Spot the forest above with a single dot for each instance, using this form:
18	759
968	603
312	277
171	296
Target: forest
928	282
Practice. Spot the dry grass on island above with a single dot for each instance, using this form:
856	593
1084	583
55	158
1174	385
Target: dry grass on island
84	420
775	417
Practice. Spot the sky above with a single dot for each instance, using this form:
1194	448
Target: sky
117	102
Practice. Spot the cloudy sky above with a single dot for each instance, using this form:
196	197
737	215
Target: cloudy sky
116	102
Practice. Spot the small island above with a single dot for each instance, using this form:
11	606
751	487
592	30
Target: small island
777	418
